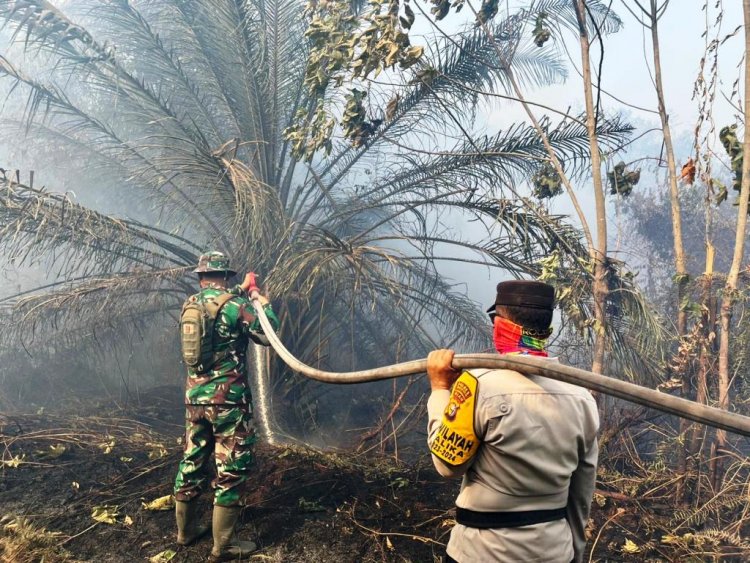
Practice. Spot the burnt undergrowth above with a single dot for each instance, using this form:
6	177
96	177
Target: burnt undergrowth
61	468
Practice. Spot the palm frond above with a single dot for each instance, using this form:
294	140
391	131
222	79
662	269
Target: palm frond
92	303
281	24
455	74
483	166
37	223
601	17
172	172
141	46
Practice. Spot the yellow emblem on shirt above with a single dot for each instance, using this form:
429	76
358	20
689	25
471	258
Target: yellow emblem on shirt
455	441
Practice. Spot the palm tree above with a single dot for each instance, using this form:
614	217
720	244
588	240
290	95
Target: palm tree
175	111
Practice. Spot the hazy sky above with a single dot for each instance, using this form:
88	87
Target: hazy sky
628	55
626	72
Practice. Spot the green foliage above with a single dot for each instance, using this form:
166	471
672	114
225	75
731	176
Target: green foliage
547	182
541	31
384	40
621	182
352	50
441	8
330	44
312	132
734	150
636	333
344	47
487	11
354	121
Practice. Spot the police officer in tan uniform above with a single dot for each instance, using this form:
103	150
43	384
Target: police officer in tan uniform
525	445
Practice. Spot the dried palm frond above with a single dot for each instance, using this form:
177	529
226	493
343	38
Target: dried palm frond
38	223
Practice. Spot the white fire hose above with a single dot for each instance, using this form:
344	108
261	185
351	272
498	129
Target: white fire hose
651	398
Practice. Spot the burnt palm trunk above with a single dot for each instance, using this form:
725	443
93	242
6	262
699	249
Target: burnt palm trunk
706	357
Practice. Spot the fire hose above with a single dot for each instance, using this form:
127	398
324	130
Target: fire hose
530	365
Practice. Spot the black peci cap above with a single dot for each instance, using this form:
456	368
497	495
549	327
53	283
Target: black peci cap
522	293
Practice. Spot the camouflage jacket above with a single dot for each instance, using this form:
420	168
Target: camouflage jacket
226	382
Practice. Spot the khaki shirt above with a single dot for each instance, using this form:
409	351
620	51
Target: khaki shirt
538	451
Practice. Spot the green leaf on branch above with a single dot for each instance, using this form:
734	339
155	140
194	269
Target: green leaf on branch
487	11
622	182
547	182
735	151
541	31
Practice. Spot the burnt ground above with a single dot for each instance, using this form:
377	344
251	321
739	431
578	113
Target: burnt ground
307	506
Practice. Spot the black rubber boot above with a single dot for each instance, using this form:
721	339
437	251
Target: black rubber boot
188	527
226	546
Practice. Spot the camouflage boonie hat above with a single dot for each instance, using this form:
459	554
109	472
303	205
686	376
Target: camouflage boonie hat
214	262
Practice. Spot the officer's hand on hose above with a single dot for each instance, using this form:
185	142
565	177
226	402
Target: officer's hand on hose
440	369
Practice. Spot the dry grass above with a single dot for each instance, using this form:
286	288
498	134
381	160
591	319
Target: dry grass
640	506
21	541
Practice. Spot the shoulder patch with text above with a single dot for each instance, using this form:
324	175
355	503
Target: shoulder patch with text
456	441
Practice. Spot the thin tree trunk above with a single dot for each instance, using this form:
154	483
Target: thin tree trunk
599	250
554	160
681	274
730	288
674	194
694	438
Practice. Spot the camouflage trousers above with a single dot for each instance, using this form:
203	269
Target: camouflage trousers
227	431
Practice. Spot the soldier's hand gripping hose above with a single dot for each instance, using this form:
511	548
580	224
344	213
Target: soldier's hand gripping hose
651	398
250	284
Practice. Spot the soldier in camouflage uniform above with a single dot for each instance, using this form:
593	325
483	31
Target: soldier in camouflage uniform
219	414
